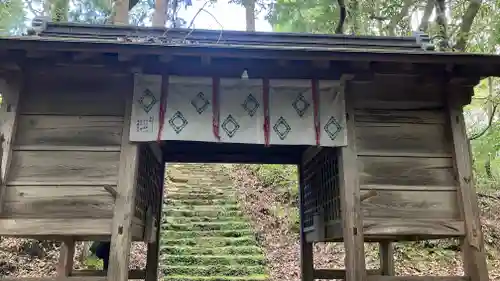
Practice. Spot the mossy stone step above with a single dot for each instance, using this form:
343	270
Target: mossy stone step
200	188
173	234
194	195
200	202
182	220
260	277
206	236
228	207
214	212
210	241
189	250
229	225
223	270
213	260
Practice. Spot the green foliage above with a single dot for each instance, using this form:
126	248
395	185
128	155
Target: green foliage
284	180
12	16
93	262
281	177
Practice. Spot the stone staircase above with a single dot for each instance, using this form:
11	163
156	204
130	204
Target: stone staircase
205	236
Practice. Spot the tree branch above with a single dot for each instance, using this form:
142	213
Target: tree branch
467	20
32	9
424	22
490	121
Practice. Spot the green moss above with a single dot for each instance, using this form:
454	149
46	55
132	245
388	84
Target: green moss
175	234
205	235
214	260
221	270
204	226
194	250
257	277
214	242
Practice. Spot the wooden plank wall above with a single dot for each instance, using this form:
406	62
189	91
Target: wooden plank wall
66	150
404	153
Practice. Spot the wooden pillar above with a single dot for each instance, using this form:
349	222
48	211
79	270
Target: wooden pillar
121	232
154	248
67	253
386	258
10	107
306	249
473	244
350	201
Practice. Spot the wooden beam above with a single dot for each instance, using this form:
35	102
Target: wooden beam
67	253
350	201
69	278
473	244
111	190
10	100
306	248
54	227
386	251
132	274
418	278
337	273
121	231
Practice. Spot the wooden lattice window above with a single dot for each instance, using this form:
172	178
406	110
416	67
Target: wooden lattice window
320	181
149	183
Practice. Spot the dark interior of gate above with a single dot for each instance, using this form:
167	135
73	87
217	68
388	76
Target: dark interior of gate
401	168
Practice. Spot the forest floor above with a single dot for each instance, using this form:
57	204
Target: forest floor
272	211
272	208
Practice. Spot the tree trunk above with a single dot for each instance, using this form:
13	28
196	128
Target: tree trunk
175	3
391	27
46	8
378	13
160	13
119	14
441	21
250	14
424	23
467	20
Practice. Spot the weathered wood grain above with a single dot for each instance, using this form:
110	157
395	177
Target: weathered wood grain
58	202
386	257
330	274
121	231
411	204
352	219
429	140
400	116
68	278
47	94
11	92
66	256
406	171
473	245
408	187
132	274
395	95
64	166
69	130
55	227
392	228
418	278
